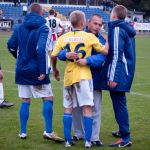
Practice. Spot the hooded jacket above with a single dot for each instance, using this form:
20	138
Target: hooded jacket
120	62
29	44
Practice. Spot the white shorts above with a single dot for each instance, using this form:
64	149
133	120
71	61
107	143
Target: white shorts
52	45
39	91
78	94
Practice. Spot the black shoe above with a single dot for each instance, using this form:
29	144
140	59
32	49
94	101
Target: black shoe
97	143
6	104
75	139
116	134
121	143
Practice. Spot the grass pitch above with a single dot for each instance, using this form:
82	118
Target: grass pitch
138	105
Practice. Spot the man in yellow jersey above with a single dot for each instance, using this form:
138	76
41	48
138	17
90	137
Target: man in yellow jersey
78	87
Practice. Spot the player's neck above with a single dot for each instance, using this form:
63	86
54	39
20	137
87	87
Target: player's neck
77	29
51	16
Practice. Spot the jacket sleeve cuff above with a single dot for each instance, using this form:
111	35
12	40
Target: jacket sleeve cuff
88	61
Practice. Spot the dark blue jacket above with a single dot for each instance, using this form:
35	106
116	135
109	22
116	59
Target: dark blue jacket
29	44
120	62
95	62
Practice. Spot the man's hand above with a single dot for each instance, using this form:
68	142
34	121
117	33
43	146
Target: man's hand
71	55
81	62
56	74
112	84
41	77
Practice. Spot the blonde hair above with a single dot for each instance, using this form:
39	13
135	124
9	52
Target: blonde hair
77	18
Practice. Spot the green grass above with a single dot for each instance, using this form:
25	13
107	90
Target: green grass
138	105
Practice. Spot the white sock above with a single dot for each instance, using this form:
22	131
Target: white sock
1	93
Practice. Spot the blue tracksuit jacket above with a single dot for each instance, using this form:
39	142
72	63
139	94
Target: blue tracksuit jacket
95	62
29	44
120	62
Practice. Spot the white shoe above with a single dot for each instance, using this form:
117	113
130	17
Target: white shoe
87	144
53	136
67	144
23	136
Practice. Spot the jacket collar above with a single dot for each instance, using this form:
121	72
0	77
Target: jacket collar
115	23
124	25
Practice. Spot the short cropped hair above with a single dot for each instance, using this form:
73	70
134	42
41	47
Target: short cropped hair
77	18
35	7
51	12
97	15
120	11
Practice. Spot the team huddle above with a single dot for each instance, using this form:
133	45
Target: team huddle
93	63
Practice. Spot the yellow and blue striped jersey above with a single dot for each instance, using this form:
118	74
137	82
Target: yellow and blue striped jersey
82	43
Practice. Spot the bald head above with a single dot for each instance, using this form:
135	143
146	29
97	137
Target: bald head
37	8
77	19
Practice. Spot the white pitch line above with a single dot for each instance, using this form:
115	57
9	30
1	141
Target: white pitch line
132	93
140	94
9	71
138	57
141	84
51	78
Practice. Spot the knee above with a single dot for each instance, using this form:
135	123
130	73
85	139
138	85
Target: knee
87	110
68	110
50	98
26	100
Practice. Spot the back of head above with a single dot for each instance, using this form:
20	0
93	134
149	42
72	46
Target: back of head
51	12
120	11
37	8
77	19
33	20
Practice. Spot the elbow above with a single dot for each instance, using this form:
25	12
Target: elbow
62	55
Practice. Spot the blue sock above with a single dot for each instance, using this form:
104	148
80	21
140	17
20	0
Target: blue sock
67	121
88	121
48	115
24	115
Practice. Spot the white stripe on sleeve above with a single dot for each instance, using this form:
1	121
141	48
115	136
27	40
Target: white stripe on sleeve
46	49
125	63
115	57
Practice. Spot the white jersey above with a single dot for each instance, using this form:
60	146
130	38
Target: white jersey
53	23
